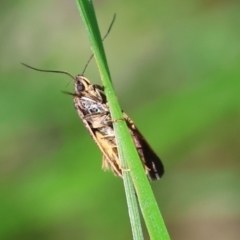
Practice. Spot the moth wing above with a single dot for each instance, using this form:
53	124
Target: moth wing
152	163
110	155
110	159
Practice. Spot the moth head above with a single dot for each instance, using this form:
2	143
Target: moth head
82	84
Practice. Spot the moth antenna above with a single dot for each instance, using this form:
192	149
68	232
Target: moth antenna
51	71
108	31
89	60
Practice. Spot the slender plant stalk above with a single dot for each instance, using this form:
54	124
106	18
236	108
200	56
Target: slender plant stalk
126	148
89	19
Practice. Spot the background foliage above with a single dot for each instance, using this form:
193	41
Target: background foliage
175	67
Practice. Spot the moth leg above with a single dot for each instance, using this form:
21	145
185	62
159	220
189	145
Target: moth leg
107	119
116	120
103	118
124	169
105	165
94	115
108	164
109	137
95	86
114	148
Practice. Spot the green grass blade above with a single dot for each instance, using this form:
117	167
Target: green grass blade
127	151
88	15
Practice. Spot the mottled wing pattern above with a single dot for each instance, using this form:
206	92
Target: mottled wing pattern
109	151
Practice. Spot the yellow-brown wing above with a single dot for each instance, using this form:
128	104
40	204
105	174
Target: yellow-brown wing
108	149
110	154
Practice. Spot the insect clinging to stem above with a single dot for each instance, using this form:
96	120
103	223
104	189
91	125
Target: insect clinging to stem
92	107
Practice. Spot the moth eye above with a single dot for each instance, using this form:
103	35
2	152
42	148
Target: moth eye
80	86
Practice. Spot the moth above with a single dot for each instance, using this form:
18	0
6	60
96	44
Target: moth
92	107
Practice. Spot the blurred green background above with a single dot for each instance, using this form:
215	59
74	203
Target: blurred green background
176	70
